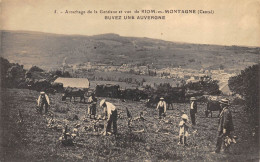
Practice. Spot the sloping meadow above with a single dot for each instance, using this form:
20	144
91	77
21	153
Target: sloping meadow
152	139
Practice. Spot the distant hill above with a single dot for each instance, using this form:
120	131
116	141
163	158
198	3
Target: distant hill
49	50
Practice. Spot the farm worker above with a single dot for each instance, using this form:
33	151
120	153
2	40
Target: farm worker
162	107
193	110
92	109
111	112
183	133
43	100
225	125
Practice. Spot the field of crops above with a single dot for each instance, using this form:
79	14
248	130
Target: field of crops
150	140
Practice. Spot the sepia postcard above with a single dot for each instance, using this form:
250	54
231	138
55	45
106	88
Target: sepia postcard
132	80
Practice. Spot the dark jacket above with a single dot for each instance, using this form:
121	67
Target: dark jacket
225	120
194	107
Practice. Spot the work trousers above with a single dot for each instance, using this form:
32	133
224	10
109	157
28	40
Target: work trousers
41	107
92	110
183	141
112	120
220	141
161	112
192	116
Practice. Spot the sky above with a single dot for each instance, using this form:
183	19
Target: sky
234	22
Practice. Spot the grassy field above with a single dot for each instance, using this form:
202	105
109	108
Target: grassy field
32	140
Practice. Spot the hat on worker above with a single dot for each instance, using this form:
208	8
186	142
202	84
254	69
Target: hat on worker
42	93
161	98
224	101
102	102
193	99
184	116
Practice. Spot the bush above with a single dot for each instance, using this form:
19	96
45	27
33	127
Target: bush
4	66
164	87
66	74
35	69
246	84
60	74
206	84
11	74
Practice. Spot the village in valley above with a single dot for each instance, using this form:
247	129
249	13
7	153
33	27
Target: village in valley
174	76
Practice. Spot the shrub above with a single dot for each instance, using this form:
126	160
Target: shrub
35	69
66	74
246	84
164	87
60	74
206	84
11	74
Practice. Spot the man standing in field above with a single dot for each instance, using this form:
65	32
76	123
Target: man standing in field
111	112
225	125
92	109
161	107
43	100
193	110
